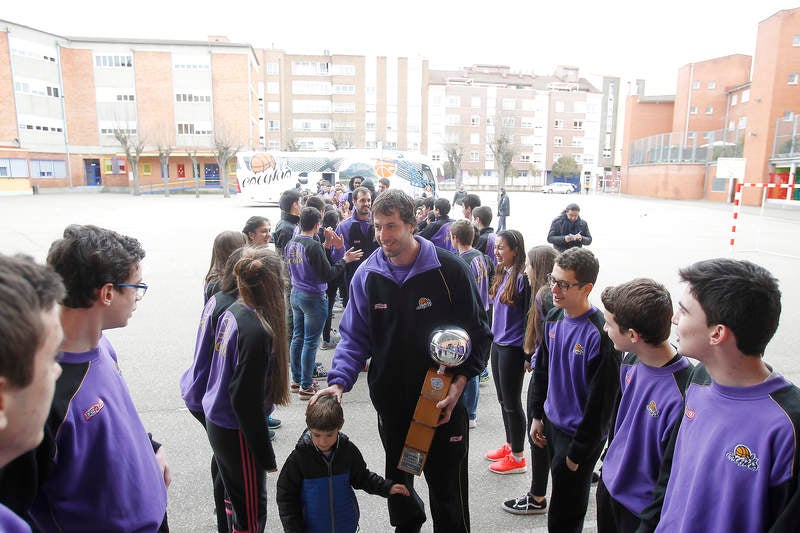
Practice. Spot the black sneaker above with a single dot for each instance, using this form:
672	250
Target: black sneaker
272	434
525	504
273	423
595	478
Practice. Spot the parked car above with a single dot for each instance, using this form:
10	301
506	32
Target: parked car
558	187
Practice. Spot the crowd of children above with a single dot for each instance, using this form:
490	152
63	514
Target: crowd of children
685	447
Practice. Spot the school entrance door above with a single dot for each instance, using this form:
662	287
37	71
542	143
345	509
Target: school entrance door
93	176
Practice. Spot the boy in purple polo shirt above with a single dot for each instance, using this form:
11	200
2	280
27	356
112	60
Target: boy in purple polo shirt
653	378
732	465
30	327
576	379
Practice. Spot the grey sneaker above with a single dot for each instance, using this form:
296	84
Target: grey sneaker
320	372
526	505
325	345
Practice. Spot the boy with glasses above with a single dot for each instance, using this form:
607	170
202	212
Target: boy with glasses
575	384
97	469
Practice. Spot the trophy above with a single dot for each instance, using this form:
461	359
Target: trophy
449	347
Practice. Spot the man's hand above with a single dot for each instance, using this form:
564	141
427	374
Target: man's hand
453	394
161	459
332	390
333	239
537	433
353	255
397	488
572	466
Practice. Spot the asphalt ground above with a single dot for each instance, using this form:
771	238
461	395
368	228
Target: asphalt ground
633	237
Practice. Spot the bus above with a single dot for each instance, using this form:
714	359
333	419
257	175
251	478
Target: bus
263	176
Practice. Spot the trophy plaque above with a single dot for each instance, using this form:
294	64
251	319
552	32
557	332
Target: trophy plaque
449	347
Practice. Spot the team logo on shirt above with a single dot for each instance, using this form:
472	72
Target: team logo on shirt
690	413
652	409
628	378
552	334
93	409
743	456
380	307
424	303
578	350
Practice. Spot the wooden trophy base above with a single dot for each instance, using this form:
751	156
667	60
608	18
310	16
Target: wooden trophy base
423	424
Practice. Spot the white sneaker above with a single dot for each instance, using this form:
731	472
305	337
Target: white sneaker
473	423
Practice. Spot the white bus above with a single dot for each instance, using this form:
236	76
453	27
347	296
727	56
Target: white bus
263	176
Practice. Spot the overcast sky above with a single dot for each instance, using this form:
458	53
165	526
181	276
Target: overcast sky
631	39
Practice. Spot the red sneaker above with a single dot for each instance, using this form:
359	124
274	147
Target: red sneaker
509	465
499	453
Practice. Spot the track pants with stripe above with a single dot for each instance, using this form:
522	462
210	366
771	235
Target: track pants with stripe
244	481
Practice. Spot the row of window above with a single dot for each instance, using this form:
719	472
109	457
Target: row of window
36	88
576	124
110	131
33	52
188	97
41	127
35	168
194	129
318	68
113	61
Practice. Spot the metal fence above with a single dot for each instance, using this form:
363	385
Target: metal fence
698	147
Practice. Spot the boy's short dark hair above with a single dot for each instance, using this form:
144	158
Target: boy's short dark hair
582	262
484	214
643	305
442	205
395	200
464	230
360	191
740	295
88	257
385	182
309	217
317	202
471	201
288	198
325	415
26	290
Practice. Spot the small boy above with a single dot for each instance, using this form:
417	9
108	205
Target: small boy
462	233
576	380
315	486
732	464
653	378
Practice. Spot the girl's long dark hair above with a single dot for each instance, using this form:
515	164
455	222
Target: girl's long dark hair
514	240
542	258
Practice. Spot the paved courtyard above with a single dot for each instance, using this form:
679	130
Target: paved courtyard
632	237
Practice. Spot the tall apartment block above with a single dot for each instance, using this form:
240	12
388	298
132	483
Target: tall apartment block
546	117
733	106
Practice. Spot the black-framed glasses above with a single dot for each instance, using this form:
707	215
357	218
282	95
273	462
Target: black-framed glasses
563	285
141	288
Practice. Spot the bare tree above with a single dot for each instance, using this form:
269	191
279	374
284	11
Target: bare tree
192	154
502	147
455	153
292	145
226	148
133	145
164	150
340	141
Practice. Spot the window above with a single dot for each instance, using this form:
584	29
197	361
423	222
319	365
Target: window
731	125
273	68
709	110
527	122
113	61
436	156
796	40
274	125
181	97
311	87
475	120
742	123
273	107
343	70
577	124
453	120
309	68
693	110
194	129
147	169
558	124
311	106
578	158
344	89
559	106
579	107
793	78
274	144
696	84
474	156
474	138
734	99
44	168
525	158
522	173
746	95
453	101
509	104
692	135
606	153
556	157
475	101
508	122
273	87
558	141
527	140
344	107
712	85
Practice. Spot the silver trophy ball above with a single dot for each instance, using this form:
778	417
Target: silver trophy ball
450	346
